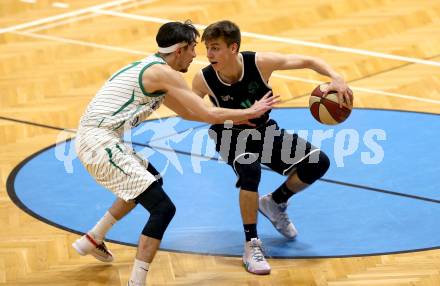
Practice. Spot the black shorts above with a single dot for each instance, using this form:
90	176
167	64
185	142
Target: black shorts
280	154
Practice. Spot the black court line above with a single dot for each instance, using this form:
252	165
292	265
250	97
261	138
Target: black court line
180	132
74	131
357	186
36	124
365	77
381	191
14	198
264	167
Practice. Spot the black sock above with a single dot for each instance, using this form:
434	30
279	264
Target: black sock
250	231
282	194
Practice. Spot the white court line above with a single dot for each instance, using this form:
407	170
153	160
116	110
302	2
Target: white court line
61	16
204	63
29	1
60	23
98	9
80	43
71	20
60	5
362	89
280	39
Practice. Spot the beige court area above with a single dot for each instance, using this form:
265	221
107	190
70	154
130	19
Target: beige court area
54	56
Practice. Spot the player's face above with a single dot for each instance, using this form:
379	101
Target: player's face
219	54
188	53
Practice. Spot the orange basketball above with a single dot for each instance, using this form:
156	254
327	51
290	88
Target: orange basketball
326	109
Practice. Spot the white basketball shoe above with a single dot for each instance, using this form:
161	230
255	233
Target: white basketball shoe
88	245
277	215
131	283
253	258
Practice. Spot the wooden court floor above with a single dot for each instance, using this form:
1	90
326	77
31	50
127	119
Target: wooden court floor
55	55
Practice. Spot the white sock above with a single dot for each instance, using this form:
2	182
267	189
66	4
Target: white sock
139	272
102	227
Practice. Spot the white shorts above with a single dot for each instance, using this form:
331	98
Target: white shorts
112	163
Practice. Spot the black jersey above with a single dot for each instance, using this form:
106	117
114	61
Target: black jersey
243	93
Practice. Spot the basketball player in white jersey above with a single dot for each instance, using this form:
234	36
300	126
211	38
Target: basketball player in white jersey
236	80
127	98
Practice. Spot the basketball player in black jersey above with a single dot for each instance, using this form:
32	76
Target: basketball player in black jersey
236	80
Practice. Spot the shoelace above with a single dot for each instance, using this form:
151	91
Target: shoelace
257	252
283	218
103	248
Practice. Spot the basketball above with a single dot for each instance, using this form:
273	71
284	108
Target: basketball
326	109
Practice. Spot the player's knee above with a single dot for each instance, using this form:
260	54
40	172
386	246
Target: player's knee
161	209
310	172
249	175
165	210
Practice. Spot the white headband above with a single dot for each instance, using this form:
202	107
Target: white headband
172	48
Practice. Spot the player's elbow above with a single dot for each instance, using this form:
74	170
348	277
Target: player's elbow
309	62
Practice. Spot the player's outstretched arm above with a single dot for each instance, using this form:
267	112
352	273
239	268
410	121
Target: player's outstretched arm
186	103
270	62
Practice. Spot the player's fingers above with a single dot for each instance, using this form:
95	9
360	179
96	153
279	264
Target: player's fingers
326	90
350	95
267	95
347	98
274	99
340	99
247	122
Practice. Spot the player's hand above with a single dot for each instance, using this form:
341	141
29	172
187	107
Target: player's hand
245	122
263	105
345	95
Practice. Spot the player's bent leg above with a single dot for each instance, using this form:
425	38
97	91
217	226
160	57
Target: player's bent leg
88	245
162	211
93	242
274	205
146	251
249	175
277	215
121	208
310	170
253	258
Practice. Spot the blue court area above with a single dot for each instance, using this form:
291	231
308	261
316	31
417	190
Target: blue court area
381	194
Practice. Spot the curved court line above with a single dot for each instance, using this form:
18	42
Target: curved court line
264	167
14	198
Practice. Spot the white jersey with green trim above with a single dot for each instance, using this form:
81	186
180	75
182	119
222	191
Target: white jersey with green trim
122	100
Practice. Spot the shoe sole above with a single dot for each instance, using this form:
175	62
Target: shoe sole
76	247
82	253
257	272
288	237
